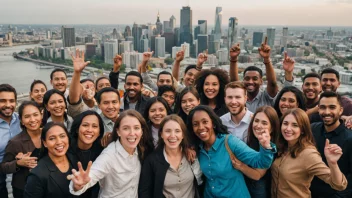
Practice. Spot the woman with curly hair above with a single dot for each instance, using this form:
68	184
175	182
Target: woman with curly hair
210	85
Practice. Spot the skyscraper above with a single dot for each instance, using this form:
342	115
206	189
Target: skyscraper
257	38
232	32
136	33
177	36
160	46
166	26
68	36
203	28
127	32
110	49
218	22
172	22
144	45
169	41
159	25
90	50
202	43
114	33
284	37
186	25
270	33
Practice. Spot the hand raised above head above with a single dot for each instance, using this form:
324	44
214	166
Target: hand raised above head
288	63
78	61
265	49
147	55
235	51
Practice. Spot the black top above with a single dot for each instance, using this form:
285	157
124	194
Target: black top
46	180
220	111
342	137
140	106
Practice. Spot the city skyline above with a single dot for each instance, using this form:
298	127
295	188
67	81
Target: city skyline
251	12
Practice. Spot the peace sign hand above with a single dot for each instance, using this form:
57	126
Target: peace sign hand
332	152
288	63
78	61
235	51
264	139
81	177
265	49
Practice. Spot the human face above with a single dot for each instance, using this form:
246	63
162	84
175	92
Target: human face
235	100
189	77
311	88
329	82
59	81
330	110
188	102
31	118
290	129
56	105
110	105
172	135
252	81
261	123
7	104
133	86
164	79
89	130
103	83
56	141
130	133
211	86
88	90
37	93
203	126
157	113
169	96
287	101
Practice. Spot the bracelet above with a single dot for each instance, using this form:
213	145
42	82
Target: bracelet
198	68
265	63
233	60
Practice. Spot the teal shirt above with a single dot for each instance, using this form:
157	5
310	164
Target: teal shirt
222	179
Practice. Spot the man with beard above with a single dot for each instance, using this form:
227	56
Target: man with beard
311	88
238	118
58	79
333	129
253	77
9	126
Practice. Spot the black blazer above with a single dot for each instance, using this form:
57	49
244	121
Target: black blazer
151	182
46	180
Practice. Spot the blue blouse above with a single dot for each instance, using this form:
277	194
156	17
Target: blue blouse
222	179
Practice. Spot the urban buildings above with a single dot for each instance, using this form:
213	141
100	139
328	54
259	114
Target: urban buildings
232	32
68	36
186	25
218	22
136	33
110	49
160	46
270	32
257	39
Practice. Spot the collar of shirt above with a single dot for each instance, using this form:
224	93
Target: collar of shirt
119	148
14	118
257	97
65	122
217	143
106	120
246	118
335	132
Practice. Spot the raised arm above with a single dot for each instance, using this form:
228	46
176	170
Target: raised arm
143	70
264	52
176	69
234	53
288	65
114	74
202	58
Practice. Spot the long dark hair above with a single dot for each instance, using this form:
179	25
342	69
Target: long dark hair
275	126
22	107
219	128
178	108
223	78
145	145
78	121
149	104
46	99
299	97
46	128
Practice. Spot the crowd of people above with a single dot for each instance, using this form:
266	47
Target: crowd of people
203	133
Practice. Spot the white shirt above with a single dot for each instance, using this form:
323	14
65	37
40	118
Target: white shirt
117	172
239	130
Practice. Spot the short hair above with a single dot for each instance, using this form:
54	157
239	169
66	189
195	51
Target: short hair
23	106
78	121
105	90
134	73
57	70
99	79
253	68
330	94
8	88
331	71
165	88
312	75
190	67
299	97
165	73
85	80
234	85
37	82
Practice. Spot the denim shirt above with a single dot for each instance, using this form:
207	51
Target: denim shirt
222	179
8	131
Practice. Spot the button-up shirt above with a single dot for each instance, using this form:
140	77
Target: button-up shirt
8	131
343	138
239	130
261	99
222	179
116	171
108	124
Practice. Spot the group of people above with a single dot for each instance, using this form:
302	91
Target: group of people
207	134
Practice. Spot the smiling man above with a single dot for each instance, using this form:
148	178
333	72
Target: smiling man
58	79
109	103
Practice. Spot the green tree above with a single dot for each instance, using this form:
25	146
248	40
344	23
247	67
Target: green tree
169	60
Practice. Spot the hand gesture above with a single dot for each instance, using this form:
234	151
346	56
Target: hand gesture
264	50
180	54
78	61
81	177
106	139
348	121
147	55
117	63
288	63
264	139
147	93
235	51
25	160
237	164
203	57
332	152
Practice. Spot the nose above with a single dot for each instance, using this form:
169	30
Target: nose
31	118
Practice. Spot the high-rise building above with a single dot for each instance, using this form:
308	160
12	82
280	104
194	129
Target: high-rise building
160	46
232	32
202	43
144	45
218	22
329	34
88	39
159	25
127	32
196	32
169	41
270	33
175	49
132	59
172	22
177	36
203	27
166	26
186	25
223	55
110	49
151	30
114	34
90	50
48	34
211	44
68	36
257	39
284	37
136	33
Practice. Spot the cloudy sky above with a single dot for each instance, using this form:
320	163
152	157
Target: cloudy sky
249	12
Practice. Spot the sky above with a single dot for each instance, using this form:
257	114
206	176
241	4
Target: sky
248	12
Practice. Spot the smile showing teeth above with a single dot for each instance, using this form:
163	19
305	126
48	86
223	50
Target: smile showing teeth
59	148
172	141
132	140
88	136
202	133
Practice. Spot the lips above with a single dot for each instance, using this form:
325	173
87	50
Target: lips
8	111
60	148
131	140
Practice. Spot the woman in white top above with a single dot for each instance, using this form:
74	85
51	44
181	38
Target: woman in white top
118	167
